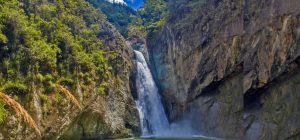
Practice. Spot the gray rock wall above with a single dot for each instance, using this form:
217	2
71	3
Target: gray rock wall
222	58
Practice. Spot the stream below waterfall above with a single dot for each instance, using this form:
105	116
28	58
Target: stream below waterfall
153	118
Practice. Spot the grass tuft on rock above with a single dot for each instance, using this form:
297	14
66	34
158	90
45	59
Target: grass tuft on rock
20	111
70	96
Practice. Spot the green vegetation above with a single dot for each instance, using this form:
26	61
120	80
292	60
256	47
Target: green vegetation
119	15
2	111
47	42
154	15
143	22
15	88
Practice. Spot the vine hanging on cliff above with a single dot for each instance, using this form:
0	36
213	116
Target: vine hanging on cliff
20	111
69	96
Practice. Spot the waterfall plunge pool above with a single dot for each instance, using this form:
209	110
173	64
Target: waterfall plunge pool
174	138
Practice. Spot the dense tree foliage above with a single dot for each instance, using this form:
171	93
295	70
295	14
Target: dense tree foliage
50	42
142	22
117	14
153	16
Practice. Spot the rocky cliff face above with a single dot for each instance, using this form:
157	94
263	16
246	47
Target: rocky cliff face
109	115
233	66
113	115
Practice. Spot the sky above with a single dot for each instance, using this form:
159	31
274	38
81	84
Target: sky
135	4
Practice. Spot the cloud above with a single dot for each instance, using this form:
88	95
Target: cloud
117	1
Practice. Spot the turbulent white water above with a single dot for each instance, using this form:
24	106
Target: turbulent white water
153	118
154	122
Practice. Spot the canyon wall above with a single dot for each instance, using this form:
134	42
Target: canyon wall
111	114
232	65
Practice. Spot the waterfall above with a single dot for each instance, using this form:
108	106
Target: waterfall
154	122
153	118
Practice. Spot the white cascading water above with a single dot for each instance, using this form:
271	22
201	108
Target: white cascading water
153	118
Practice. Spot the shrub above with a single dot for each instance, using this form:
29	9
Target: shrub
14	88
66	81
3	112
